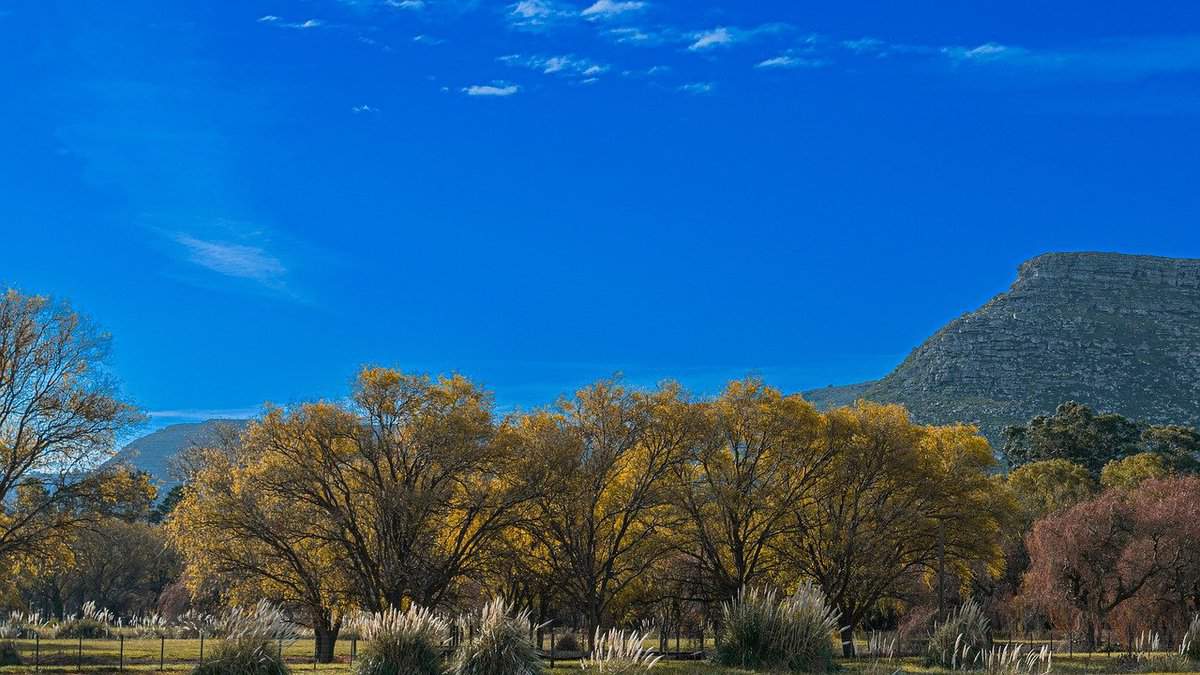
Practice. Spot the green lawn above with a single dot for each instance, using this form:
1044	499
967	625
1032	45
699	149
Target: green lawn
180	656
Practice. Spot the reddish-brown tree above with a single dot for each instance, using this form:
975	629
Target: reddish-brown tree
1127	547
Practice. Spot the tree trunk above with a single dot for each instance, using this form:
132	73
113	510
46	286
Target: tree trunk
847	633
325	635
1093	635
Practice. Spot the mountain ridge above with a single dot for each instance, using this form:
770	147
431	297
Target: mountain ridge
1115	331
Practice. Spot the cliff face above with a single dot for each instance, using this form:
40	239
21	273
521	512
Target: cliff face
1120	333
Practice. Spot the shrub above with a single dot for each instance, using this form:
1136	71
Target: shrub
247	647
402	643
795	634
619	653
566	642
961	638
9	656
499	645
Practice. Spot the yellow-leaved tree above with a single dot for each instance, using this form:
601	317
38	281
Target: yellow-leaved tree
755	460
385	501
604	460
240	528
900	501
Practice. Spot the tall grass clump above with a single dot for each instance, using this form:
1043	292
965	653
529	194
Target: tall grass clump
619	653
1190	647
402	643
794	634
499	644
249	642
961	638
91	623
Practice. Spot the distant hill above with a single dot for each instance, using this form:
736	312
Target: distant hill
1120	333
837	396
153	452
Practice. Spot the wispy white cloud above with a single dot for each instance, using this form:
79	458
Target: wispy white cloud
407	4
538	14
697	88
604	9
567	65
300	25
723	36
712	38
633	35
234	260
498	89
790	61
1112	60
427	39
362	109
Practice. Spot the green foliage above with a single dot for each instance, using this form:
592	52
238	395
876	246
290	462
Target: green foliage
619	653
794	634
402	643
1131	471
1049	485
499	645
1075	433
1078	434
964	635
163	510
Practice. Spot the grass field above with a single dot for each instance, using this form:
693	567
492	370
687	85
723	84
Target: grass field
180	656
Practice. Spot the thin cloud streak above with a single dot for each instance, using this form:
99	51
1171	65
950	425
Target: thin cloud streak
494	90
234	260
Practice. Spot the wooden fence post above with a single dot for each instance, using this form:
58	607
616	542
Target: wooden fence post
37	652
201	647
162	651
552	646
121	667
79	655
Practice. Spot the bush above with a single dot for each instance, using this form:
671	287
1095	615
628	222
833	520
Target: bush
499	645
402	643
961	639
566	642
9	656
248	644
795	634
618	653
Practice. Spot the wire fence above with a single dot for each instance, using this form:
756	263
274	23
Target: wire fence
121	654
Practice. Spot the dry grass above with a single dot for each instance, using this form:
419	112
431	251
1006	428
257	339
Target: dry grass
141	656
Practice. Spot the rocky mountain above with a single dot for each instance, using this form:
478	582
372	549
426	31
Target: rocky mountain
154	452
1120	333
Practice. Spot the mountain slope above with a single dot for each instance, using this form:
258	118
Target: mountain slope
1117	332
153	452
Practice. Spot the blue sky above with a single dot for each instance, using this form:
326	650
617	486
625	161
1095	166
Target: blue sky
257	197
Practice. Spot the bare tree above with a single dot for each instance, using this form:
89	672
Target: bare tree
59	416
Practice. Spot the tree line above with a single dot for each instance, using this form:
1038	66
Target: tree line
612	506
